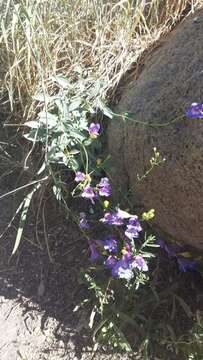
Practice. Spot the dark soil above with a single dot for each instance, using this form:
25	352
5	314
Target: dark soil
37	296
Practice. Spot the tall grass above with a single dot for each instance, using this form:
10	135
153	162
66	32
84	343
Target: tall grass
39	38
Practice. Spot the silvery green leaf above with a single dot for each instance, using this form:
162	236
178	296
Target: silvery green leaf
59	105
57	192
88	142
92	317
91	109
81	87
61	81
41	97
63	140
83	124
75	104
71	163
105	110
76	134
36	135
74	152
33	124
96	90
76	115
54	155
48	119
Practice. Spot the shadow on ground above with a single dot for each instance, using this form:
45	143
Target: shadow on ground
37	296
44	289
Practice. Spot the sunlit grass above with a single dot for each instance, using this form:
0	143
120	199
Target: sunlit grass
41	38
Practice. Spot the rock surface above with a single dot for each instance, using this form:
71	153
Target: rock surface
171	80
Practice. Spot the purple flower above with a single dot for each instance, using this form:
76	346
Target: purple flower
139	263
131	232
112	219
104	187
135	222
165	247
195	111
170	250
79	176
88	193
133	228
110	262
123	269
83	221
94	254
94	130
117	266
127	251
123	214
185	264
110	244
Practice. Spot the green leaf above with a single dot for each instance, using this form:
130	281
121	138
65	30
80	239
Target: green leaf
184	306
31	135
123	342
83	123
34	124
36	135
61	81
48	119
105	110
71	163
74	152
75	104
57	192
41	97
54	155
87	142
76	134
92	317
59	105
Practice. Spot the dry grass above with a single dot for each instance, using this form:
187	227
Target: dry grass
39	38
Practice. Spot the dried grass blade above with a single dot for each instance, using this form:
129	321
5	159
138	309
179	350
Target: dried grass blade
26	205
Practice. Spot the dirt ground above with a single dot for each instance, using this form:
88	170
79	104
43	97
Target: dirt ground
37	297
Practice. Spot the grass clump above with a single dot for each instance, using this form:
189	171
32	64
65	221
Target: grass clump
44	38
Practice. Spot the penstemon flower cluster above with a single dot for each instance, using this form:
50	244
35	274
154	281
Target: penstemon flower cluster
119	251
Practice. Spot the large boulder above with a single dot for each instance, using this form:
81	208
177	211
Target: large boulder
171	80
